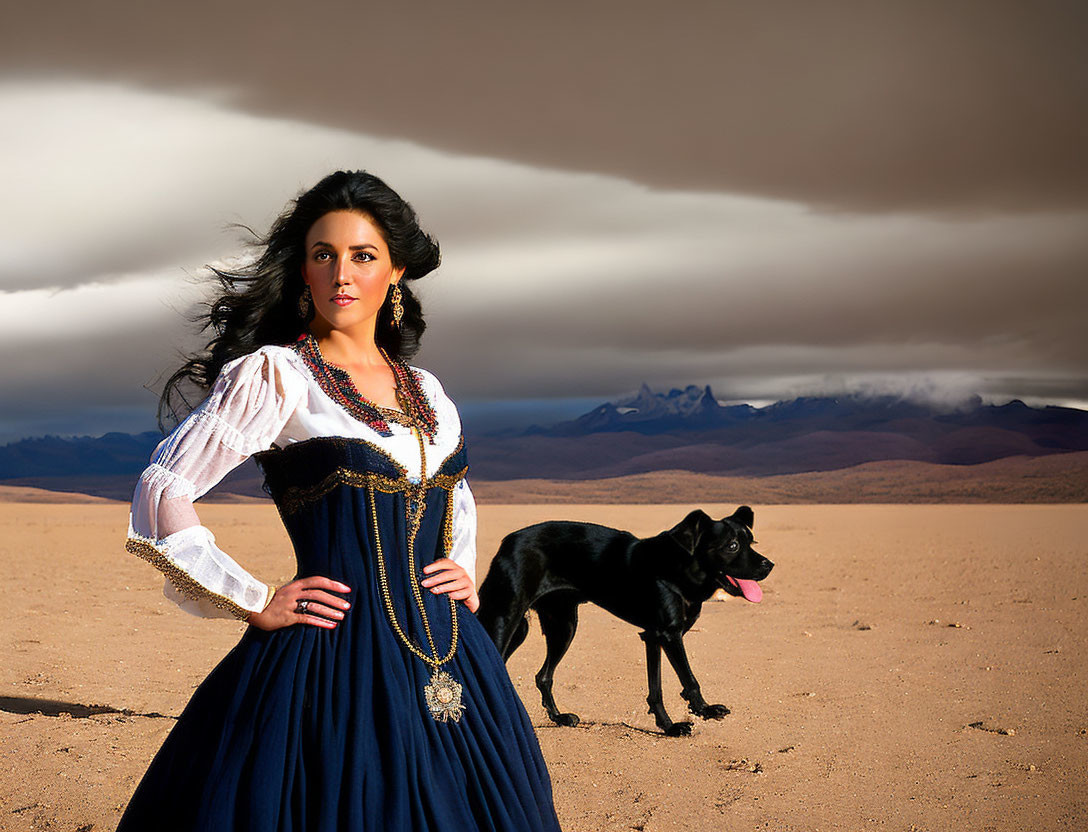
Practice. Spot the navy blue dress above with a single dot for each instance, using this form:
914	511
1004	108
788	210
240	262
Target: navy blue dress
306	729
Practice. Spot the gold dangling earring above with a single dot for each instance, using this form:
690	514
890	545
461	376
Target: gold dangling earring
398	310
305	303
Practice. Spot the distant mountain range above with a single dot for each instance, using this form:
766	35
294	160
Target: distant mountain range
687	429
684	429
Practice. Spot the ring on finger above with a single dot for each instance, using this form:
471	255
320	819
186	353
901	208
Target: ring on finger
302	605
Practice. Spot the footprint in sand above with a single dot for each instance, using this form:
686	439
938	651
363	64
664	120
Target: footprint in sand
744	765
991	728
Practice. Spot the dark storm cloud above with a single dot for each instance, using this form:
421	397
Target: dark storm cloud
1008	283
794	297
912	105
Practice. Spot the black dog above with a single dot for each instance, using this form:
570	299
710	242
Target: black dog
657	583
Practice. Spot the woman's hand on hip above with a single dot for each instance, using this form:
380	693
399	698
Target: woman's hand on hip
323	608
444	575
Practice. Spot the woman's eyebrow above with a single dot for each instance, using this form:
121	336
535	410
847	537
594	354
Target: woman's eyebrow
352	248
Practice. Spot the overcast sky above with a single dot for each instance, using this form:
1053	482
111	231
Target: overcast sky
782	199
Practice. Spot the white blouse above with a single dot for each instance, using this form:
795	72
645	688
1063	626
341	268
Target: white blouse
266	397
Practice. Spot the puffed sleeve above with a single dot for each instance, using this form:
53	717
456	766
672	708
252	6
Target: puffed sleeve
463	551
247	408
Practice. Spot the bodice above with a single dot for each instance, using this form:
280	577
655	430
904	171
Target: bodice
303	472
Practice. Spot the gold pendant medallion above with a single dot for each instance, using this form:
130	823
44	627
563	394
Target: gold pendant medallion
443	696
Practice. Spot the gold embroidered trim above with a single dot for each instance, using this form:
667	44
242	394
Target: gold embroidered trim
296	497
188	586
447	525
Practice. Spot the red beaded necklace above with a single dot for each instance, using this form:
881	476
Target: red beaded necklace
337	383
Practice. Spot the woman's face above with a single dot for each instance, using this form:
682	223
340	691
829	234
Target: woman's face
348	269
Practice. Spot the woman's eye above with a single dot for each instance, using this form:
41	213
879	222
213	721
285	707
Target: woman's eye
321	255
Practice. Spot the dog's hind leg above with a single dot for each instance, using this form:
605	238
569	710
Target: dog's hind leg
501	612
507	631
655	700
521	630
678	658
559	621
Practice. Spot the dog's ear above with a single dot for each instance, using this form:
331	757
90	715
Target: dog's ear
743	515
688	531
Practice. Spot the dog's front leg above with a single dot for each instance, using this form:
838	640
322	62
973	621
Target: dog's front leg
678	658
655	700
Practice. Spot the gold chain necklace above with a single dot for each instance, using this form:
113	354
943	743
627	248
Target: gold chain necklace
443	694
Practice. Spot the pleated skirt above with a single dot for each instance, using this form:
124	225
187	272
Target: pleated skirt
305	729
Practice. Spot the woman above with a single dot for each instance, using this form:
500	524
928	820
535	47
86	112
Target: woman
365	695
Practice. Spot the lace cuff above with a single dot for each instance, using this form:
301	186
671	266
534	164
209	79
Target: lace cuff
202	579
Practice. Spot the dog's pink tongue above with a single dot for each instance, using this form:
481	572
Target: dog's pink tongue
751	590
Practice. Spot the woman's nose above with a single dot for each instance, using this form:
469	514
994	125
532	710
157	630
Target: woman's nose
340	276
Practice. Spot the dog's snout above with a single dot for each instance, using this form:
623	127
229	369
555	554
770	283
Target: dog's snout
764	567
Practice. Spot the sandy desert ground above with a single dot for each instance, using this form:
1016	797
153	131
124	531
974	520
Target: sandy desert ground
911	667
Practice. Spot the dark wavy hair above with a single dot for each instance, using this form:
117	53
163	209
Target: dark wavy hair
259	303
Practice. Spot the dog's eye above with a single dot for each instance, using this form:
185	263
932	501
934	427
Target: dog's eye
733	546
